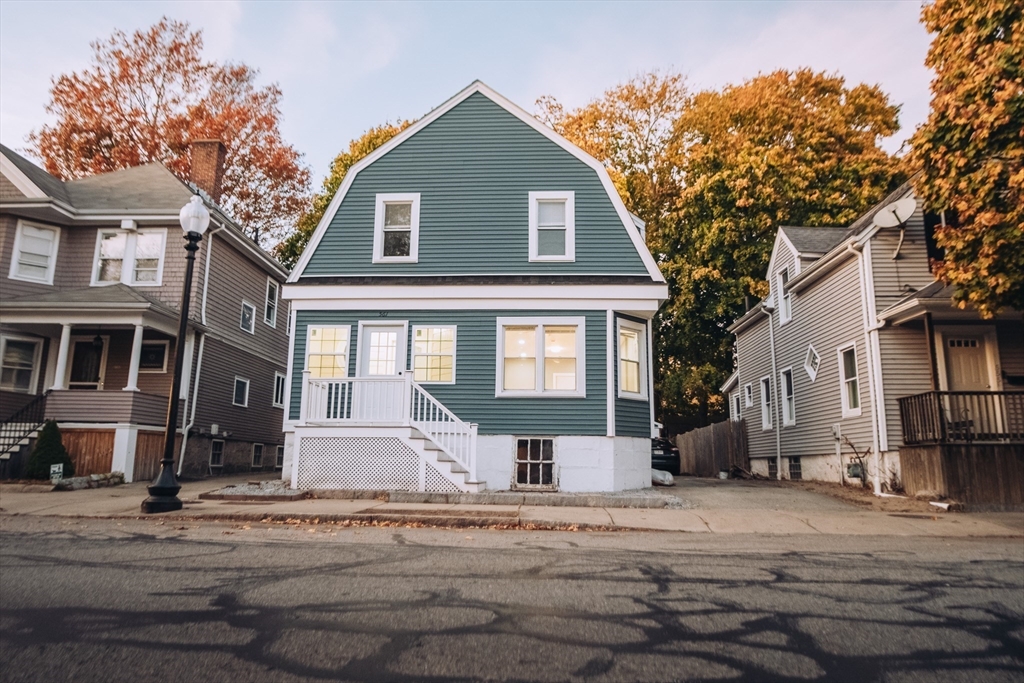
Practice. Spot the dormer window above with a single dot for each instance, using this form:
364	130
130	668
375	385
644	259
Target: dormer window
396	228
552	226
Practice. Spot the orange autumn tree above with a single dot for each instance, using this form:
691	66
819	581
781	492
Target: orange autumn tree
971	150
148	95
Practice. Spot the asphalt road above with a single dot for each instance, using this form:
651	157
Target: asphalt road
105	600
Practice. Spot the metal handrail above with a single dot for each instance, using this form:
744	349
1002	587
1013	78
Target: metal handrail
23	422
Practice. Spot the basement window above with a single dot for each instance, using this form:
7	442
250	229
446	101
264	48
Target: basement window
794	468
535	464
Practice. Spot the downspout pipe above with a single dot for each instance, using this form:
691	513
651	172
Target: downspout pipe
774	389
856	249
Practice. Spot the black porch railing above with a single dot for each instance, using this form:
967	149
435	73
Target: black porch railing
941	417
22	423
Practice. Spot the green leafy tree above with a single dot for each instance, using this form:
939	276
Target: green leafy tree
289	250
49	450
971	150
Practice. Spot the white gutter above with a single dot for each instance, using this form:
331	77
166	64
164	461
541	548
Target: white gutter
855	249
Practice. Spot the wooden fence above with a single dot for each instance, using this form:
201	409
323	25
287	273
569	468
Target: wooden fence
707	451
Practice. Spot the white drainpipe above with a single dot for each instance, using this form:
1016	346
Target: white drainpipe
856	249
774	395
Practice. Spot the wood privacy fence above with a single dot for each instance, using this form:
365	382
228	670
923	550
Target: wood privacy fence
707	451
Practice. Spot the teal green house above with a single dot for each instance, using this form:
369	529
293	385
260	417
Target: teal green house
473	313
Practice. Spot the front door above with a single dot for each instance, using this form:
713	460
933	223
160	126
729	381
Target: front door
966	363
379	394
88	358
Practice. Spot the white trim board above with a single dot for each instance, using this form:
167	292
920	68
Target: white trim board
20	180
522	115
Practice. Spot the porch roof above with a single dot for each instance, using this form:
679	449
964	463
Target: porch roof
112	304
937	299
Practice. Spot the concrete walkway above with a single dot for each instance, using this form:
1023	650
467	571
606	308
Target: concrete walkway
719	509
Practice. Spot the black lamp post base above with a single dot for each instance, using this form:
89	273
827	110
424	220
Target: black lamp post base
161	504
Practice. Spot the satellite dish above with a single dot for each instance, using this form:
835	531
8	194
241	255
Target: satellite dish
896	213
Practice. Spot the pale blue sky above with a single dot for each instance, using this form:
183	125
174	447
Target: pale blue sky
345	67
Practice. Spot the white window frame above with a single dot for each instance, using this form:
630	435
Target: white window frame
221	463
847	410
252	458
279	376
272	320
735	404
278	457
748	395
414	226
16	252
241	317
788	402
234	384
36	360
167	349
785	298
348	346
413	354
541	322
569	197
812	371
128	262
641	331
766	403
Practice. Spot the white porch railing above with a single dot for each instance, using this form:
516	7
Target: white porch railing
389	401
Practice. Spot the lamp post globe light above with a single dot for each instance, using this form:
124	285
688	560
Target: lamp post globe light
163	492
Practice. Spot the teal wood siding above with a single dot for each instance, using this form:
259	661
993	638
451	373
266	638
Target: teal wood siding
632	417
474	167
472	396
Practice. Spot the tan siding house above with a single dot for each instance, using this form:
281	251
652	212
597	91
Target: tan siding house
862	351
91	274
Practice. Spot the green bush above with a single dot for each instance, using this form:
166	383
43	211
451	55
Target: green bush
49	450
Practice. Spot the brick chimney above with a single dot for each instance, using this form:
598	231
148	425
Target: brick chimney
208	166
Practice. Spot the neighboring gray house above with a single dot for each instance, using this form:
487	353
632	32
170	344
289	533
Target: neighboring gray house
473	312
858	347
91	280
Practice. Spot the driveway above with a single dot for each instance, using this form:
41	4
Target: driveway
744	494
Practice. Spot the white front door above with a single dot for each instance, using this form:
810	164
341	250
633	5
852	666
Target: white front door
966	363
379	392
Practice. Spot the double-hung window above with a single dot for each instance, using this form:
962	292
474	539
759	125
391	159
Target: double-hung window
270	310
327	351
632	353
784	297
748	396
552	219
134	257
247	321
433	354
19	364
35	253
240	396
788	397
766	403
734	402
396	228
541	357
849	381
278	401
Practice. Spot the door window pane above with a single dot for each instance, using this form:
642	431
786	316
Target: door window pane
560	358
520	358
382	353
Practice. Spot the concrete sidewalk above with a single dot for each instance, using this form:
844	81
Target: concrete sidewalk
124	502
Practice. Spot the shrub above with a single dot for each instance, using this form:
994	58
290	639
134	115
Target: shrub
49	450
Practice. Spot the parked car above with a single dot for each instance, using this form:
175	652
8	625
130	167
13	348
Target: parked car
664	455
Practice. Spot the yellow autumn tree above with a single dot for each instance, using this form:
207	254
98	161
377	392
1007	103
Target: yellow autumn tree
970	152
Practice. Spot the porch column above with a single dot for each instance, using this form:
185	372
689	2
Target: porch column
60	375
133	365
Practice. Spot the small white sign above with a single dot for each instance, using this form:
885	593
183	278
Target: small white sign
57	472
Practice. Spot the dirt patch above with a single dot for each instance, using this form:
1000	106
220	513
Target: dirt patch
863	497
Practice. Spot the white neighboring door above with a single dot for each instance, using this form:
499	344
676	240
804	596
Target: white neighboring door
381	355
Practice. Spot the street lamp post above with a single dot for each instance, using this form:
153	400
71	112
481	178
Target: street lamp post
163	492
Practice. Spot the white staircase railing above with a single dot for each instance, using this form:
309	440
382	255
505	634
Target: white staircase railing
454	436
397	401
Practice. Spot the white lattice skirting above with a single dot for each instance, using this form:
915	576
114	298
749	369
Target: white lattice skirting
337	462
